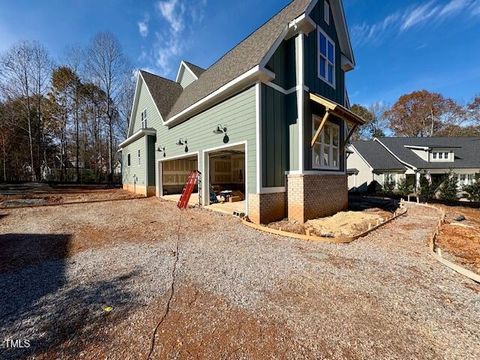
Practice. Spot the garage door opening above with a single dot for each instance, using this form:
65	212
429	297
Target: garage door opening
226	180
174	175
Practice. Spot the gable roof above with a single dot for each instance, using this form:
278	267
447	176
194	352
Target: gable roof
164	92
242	58
377	156
197	70
466	151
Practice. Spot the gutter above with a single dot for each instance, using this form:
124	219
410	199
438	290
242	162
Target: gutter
138	135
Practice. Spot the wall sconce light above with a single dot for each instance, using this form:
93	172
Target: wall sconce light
182	142
220	129
162	150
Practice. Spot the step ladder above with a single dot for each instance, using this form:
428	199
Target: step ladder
192	180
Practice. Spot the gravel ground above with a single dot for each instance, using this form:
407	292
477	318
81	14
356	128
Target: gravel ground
238	293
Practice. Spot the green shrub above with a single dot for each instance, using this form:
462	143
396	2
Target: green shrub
404	188
473	191
388	186
426	191
449	188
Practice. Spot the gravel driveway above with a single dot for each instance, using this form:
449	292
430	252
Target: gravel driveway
238	293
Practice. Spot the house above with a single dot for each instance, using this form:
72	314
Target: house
395	158
268	121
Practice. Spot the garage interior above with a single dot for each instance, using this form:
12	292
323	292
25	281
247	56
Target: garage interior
174	176
226	180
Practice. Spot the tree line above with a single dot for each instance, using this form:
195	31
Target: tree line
420	114
63	121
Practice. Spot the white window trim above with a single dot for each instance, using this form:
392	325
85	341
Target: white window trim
325	79
330	124
144	118
326	10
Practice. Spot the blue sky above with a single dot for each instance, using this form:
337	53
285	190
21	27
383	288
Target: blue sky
400	46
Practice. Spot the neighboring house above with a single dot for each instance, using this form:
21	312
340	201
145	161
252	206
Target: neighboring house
268	120
395	158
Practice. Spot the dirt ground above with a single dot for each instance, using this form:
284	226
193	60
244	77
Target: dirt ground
237	293
19	195
363	214
461	239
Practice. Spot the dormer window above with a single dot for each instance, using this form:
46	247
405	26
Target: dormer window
326	12
144	119
442	155
326	58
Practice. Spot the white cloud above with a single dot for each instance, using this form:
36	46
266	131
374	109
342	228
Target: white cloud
143	26
430	12
170	40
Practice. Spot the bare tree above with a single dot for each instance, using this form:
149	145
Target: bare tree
107	67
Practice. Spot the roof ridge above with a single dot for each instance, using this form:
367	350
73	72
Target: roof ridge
158	76
253	32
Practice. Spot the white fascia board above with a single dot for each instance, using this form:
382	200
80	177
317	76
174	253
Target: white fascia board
415	147
137	90
138	135
394	155
256	73
184	65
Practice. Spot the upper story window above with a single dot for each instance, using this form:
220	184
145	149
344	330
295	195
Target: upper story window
442	155
326	58
139	156
326	12
326	150
144	119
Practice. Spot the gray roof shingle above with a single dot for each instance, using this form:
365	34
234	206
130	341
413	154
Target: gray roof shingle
466	149
243	57
164	92
377	156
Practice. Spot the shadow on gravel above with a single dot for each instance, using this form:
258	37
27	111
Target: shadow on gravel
38	304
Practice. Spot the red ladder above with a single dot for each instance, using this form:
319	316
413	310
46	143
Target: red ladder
188	189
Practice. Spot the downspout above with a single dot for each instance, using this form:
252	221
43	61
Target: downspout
300	67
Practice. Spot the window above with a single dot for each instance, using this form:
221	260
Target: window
326	150
434	156
128	160
326	58
445	155
144	119
326	12
139	157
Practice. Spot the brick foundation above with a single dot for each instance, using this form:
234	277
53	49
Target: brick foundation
266	208
314	196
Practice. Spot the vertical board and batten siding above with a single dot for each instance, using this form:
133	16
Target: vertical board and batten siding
274	137
312	81
238	114
134	170
186	78
282	64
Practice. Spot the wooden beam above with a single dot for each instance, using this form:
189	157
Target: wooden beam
350	133
322	101
320	128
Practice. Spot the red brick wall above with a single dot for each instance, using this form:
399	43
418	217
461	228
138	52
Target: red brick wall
266	208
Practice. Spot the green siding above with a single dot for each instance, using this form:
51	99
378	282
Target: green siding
314	83
145	101
238	114
186	78
282	64
129	173
274	137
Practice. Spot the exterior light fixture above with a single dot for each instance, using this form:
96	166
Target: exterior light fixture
162	150
220	129
182	142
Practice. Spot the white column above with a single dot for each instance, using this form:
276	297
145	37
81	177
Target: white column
300	71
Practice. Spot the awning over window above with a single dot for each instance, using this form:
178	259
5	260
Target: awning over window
332	108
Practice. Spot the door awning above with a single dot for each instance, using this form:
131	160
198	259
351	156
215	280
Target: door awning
337	109
332	108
